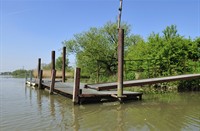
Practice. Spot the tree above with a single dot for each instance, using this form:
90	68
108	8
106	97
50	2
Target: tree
96	49
170	46
59	62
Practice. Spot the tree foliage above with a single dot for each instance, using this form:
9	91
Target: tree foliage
163	54
96	49
170	46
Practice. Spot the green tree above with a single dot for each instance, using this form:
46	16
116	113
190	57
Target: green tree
169	46
59	62
96	49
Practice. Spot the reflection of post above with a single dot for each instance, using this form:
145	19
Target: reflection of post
120	62
53	76
52	105
75	114
30	93
63	64
120	120
39	100
76	91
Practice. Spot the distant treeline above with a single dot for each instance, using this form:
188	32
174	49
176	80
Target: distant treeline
21	73
5	73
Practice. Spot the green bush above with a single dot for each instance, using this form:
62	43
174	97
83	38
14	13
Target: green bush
189	85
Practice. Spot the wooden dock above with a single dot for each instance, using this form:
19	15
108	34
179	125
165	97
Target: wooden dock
87	95
106	91
108	86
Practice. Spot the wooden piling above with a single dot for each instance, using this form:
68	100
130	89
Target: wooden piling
63	64
40	79
53	77
53	60
120	62
76	90
31	75
39	67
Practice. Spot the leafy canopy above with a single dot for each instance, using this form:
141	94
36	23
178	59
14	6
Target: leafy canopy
96	49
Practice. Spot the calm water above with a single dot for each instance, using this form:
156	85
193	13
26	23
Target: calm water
25	109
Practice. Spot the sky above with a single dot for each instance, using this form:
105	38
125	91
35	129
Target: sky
31	29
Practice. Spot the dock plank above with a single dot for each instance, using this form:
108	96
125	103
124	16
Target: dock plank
107	86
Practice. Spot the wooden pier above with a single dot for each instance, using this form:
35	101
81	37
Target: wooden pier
86	95
105	91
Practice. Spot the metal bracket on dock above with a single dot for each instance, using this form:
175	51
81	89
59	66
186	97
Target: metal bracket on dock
120	98
115	96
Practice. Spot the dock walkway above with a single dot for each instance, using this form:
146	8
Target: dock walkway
107	86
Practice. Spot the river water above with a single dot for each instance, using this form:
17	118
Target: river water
25	109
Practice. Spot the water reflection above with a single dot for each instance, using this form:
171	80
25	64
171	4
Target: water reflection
171	112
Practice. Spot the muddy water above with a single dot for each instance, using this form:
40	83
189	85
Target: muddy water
23	108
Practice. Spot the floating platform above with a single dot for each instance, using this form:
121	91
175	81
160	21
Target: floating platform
87	95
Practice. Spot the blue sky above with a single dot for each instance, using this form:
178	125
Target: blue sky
31	29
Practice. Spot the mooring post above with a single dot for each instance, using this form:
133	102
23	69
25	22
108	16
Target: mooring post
39	67
31	76
53	60
63	64
53	77
76	91
120	62
40	80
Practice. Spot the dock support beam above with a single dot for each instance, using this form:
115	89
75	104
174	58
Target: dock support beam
63	64
40	79
120	62
53	77
53	60
39	67
76	90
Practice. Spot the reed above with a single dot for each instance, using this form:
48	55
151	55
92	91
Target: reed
47	74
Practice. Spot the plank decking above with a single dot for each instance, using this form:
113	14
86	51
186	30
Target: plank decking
89	95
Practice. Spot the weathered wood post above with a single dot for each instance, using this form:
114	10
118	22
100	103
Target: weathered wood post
40	79
39	67
76	90
120	62
63	64
53	60
31	76
53	77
